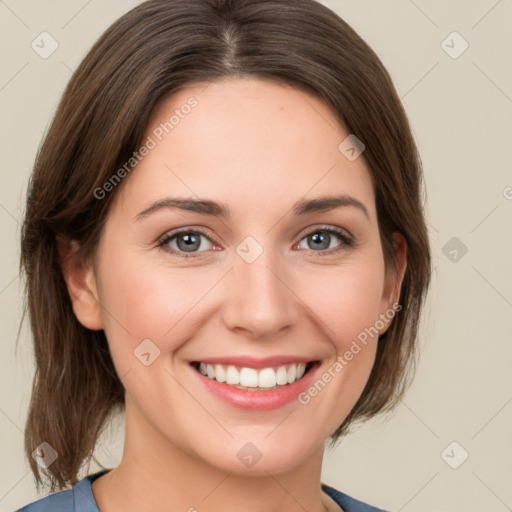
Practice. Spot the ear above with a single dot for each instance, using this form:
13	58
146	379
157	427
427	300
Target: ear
80	280
393	281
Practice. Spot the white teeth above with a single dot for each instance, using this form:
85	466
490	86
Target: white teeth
292	373
281	376
249	377
232	376
252	378
267	378
220	373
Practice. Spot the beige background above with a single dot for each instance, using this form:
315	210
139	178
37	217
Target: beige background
461	112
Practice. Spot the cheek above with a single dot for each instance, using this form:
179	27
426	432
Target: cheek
347	303
142	300
347	299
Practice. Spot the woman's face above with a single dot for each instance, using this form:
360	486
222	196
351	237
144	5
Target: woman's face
265	277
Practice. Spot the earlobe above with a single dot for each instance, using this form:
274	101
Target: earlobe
81	284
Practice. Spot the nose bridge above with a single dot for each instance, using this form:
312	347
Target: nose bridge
259	300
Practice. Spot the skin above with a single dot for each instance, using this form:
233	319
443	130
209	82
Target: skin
271	146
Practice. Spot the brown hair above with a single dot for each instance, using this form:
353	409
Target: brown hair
150	52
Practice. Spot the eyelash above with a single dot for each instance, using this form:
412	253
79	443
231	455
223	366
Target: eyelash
347	241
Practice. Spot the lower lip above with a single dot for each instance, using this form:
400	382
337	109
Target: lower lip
258	400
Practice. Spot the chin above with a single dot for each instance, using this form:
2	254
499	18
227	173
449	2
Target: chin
257	457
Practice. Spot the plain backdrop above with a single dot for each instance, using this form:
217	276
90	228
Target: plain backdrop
459	101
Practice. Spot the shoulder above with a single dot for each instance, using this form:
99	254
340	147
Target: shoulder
59	502
347	503
77	499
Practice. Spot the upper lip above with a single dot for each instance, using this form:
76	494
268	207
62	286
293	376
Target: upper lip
254	362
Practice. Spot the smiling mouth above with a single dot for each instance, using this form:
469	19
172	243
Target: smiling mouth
251	379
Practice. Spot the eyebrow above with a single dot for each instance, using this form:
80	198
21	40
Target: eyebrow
208	207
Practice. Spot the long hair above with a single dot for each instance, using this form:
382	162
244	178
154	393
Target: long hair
149	53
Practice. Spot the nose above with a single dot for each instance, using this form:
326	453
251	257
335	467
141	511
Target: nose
260	300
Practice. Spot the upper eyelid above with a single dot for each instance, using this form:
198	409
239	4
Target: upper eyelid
325	227
172	234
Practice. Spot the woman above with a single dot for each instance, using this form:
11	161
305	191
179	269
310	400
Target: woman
199	154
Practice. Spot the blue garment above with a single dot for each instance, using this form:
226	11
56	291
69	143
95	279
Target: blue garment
80	499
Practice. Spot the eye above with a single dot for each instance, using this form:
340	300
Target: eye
184	241
187	243
321	238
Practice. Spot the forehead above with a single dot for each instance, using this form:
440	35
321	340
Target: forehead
246	142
